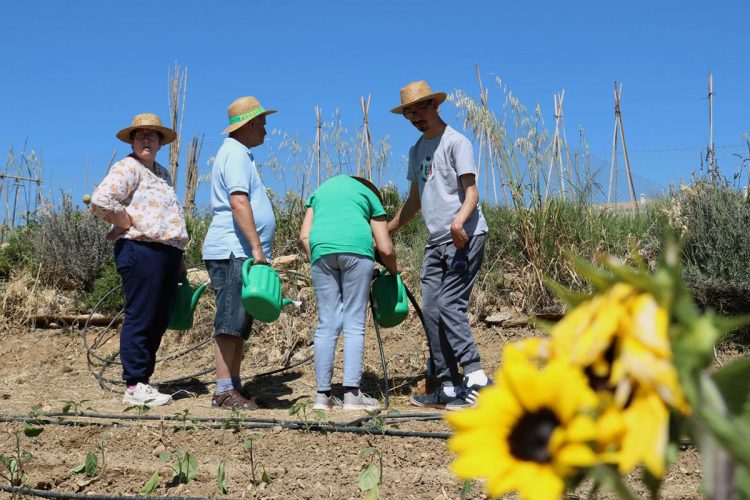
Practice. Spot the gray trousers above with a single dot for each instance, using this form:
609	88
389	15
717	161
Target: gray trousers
447	277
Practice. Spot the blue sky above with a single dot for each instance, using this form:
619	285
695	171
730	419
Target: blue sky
73	73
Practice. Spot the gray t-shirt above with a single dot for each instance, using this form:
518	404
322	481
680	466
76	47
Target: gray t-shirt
436	164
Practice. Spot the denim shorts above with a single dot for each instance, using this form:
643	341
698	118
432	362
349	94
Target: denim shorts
226	280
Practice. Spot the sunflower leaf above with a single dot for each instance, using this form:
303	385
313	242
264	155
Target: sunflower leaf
609	477
569	297
742	482
733	382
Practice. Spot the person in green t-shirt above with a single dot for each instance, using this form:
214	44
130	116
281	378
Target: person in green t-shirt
343	217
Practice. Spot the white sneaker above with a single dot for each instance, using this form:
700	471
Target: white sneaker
323	402
144	394
360	401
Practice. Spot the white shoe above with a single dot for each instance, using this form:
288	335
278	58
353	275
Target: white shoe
323	402
360	401
144	394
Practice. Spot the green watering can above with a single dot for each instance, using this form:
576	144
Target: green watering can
184	305
261	291
390	301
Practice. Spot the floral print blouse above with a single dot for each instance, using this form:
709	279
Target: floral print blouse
149	199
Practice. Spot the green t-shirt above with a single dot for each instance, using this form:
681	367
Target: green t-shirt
342	209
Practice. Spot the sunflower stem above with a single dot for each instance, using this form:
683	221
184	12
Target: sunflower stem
609	477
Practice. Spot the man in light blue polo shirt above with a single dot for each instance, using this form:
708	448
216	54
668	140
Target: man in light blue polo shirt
243	225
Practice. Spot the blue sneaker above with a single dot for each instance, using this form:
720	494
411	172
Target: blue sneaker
438	399
466	396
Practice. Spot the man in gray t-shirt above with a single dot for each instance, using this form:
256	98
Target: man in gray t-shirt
443	186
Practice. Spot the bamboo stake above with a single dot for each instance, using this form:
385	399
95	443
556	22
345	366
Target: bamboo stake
625	150
177	89
613	163
365	144
111	161
555	152
191	175
565	138
318	138
711	151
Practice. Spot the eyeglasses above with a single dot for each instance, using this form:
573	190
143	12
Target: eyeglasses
142	136
410	113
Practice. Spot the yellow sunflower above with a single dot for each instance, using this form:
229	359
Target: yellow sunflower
636	434
621	338
529	431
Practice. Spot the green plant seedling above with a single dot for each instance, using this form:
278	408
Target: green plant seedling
75	406
378	420
90	465
184	464
221	479
31	422
13	471
233	421
466	490
249	442
150	485
187	421
371	476
300	410
140	409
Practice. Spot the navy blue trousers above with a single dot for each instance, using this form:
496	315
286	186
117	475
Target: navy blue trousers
150	272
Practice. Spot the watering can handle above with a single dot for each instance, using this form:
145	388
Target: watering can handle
246	268
197	295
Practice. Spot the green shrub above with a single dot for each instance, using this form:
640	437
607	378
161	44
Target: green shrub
70	248
106	282
290	211
18	253
713	219
197	223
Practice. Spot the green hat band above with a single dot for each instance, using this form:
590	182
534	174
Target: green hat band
247	116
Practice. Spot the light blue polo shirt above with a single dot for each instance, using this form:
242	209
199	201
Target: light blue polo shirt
234	171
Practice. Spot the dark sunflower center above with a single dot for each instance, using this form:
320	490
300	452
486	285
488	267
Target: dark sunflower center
529	439
601	382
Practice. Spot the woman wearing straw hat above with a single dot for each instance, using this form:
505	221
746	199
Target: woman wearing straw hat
343	215
443	187
138	199
243	226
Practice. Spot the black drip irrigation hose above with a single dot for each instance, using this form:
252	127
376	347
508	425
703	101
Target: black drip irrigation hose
106	383
430	361
243	423
386	389
20	490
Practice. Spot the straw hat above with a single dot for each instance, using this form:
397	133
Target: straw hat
369	185
148	121
243	110
417	92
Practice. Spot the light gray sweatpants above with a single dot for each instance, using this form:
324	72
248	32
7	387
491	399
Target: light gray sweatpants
447	277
